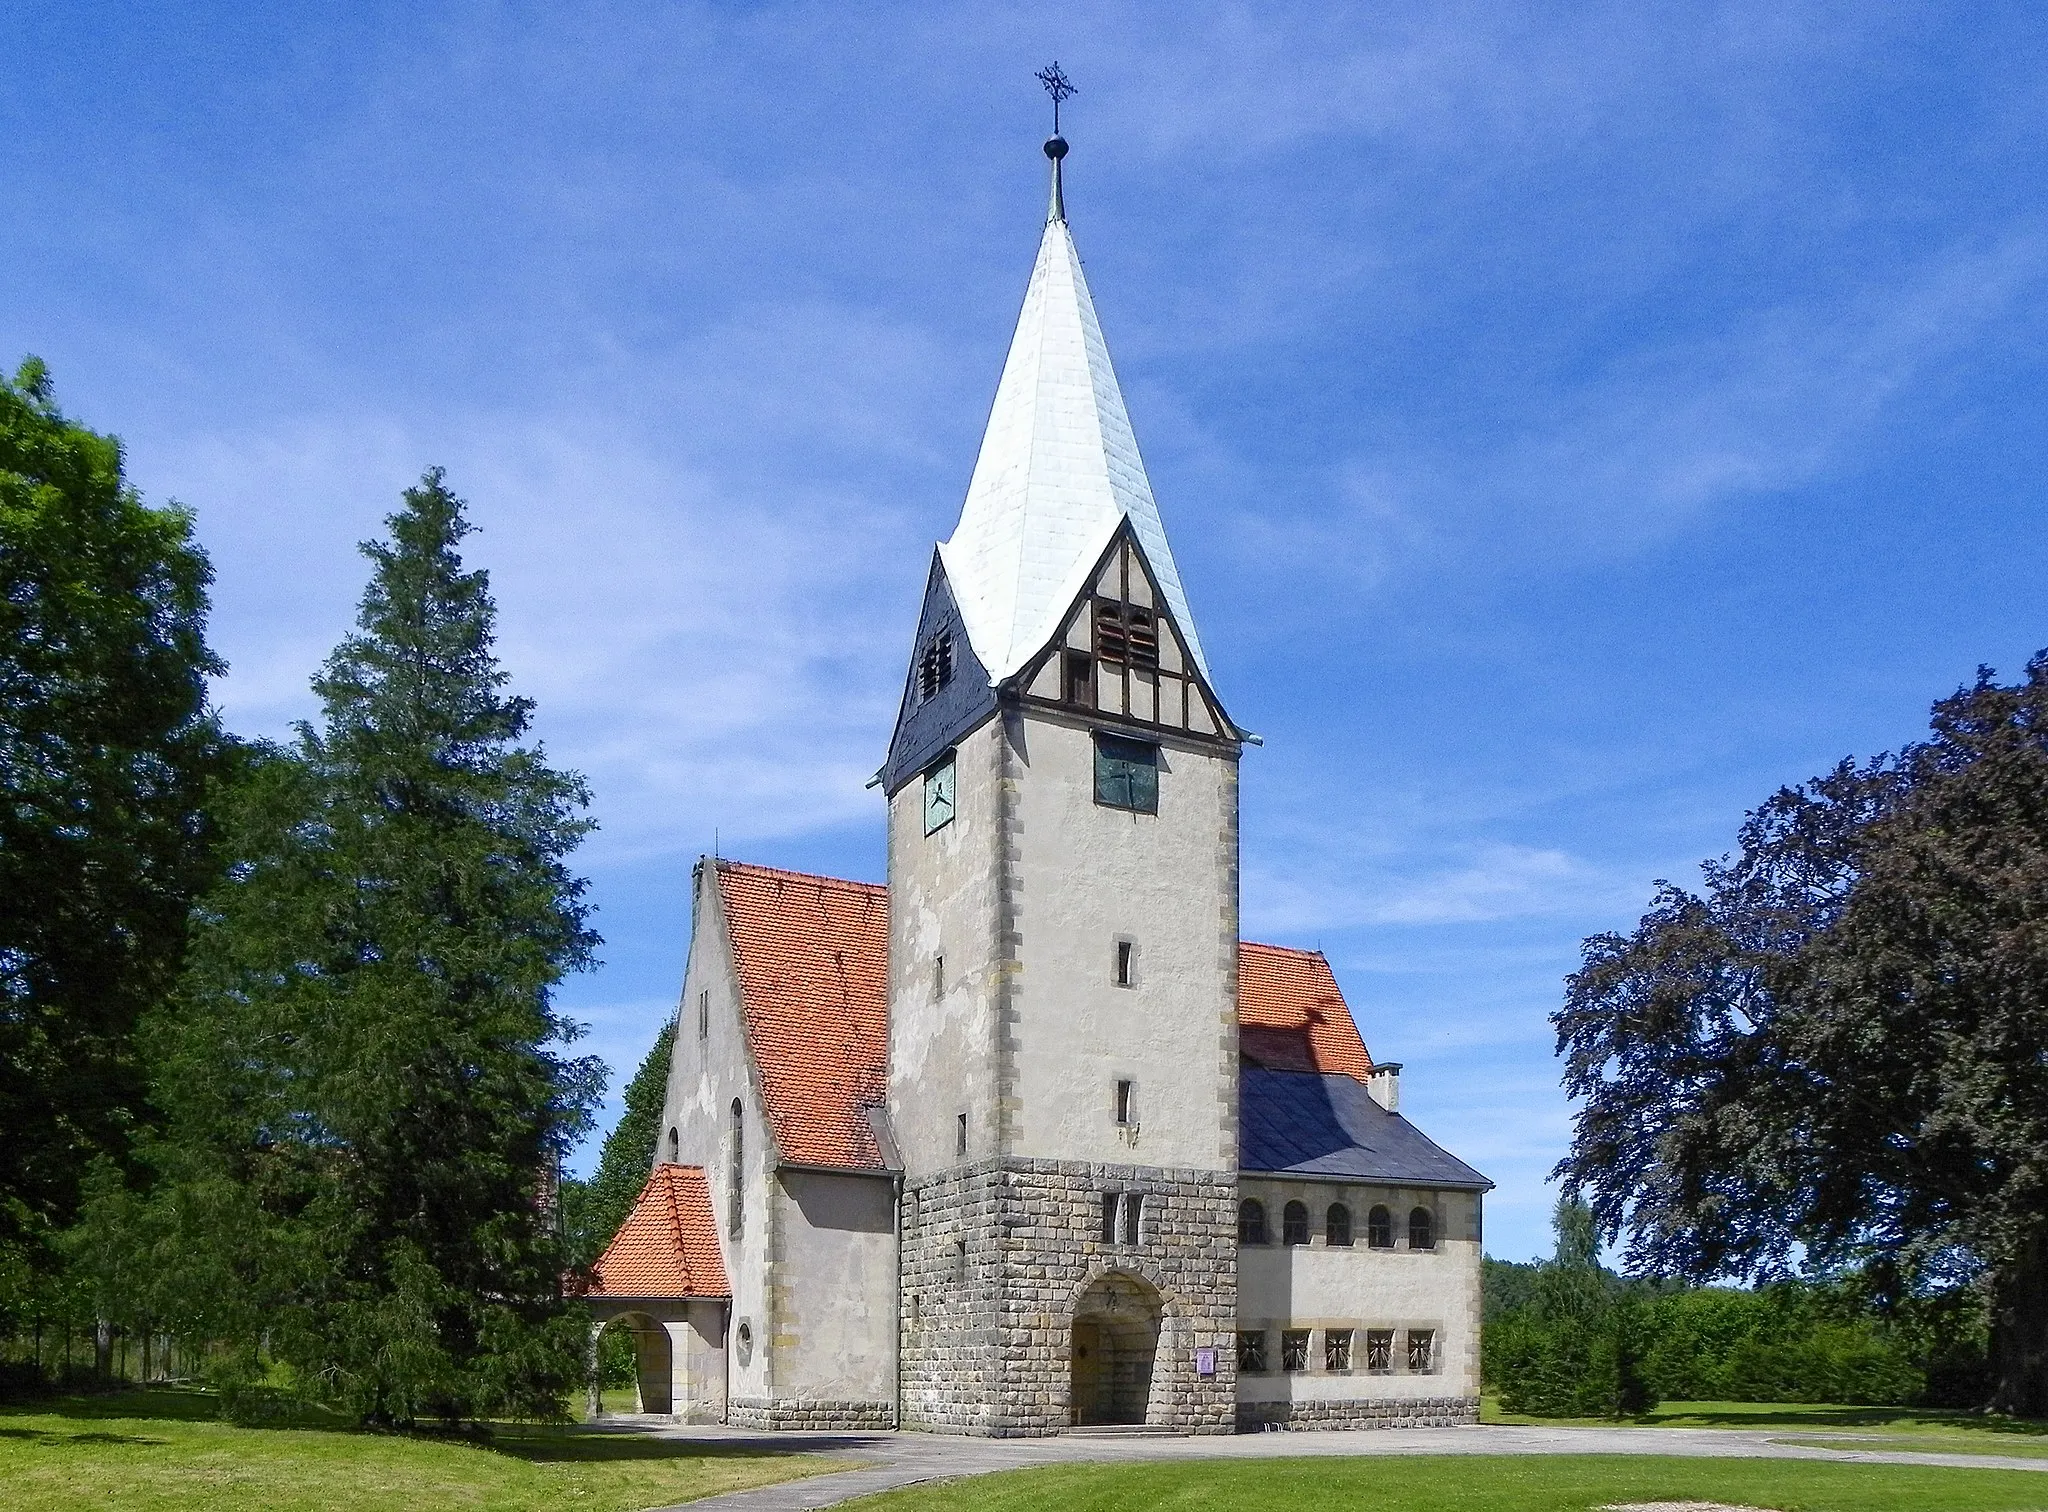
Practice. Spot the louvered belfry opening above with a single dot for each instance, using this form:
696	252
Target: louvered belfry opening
1126	635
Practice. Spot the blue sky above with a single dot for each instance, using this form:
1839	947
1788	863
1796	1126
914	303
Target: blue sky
1571	422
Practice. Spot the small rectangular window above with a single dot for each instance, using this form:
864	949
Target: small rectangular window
703	1015
1080	679
1126	963
1127	774
1251	1351
960	1136
1379	1350
1109	1204
1134	1214
1337	1349
1421	1350
1294	1350
1126	1102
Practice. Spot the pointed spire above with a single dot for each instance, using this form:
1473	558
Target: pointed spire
1061	88
1059	471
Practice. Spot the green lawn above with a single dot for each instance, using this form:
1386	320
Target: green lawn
1477	1483
154	1451
2022	1434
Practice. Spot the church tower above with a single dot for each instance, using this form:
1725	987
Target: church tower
1063	871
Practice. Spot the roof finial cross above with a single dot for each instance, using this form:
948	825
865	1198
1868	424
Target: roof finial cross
1060	87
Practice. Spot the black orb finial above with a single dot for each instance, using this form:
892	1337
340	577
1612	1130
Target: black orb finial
1055	147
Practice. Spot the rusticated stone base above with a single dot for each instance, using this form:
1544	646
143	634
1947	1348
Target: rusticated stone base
800	1414
1412	1412
1000	1255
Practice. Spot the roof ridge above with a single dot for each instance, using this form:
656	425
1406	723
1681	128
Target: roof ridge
1294	950
727	864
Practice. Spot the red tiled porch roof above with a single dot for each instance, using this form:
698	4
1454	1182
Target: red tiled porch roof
668	1245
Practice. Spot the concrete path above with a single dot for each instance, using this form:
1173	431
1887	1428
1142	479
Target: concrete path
893	1460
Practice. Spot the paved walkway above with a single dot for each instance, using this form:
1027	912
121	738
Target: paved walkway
906	1459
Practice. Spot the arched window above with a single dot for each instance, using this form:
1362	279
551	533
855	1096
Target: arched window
1422	1229
1337	1225
1251	1222
734	1175
675	1148
1379	1228
1294	1224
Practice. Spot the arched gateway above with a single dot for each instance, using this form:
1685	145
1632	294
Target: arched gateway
1115	1343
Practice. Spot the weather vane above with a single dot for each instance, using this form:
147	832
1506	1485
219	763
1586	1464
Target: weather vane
1059	86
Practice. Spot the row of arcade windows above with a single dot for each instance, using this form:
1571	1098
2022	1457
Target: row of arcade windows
1342	1353
1294	1228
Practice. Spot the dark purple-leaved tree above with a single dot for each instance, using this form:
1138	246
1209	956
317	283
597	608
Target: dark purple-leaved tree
1836	1052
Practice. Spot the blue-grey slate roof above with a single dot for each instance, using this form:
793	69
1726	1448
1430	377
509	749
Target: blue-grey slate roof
1308	1123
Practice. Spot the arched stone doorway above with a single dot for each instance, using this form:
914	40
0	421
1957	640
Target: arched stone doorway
653	1359
1115	1341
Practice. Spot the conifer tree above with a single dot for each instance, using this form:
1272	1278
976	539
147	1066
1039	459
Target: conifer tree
363	1071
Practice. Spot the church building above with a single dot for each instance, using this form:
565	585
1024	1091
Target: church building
1028	1139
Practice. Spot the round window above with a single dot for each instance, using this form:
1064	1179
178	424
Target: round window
743	1337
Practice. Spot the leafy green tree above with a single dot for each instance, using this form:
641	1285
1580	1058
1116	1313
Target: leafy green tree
594	1209
1832	1054
107	745
362	1072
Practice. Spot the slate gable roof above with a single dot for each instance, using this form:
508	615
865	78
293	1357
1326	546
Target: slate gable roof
668	1245
1306	1123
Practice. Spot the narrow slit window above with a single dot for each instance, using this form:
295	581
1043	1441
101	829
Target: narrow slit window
735	1174
1134	1216
703	1015
960	1135
1126	1102
1126	963
1109	1206
938	976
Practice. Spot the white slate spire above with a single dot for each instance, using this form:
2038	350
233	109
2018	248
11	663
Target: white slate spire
1058	472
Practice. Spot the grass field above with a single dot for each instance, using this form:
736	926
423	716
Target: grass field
1477	1483
153	1451
1909	1429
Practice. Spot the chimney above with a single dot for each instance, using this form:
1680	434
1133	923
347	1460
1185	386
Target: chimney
1383	1085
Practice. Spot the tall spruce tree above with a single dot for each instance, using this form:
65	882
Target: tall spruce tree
363	1071
106	749
594	1209
1833	1054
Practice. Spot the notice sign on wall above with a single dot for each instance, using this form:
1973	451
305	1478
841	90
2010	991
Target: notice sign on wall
1205	1362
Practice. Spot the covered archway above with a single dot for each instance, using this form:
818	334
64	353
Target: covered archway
1115	1342
653	1359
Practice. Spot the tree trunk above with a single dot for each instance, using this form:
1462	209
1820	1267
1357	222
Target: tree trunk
103	1348
2019	1334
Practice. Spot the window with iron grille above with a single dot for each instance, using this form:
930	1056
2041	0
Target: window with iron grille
1294	1223
1379	1350
1294	1350
1337	1349
1127	774
1421	1350
1251	1351
1134	1215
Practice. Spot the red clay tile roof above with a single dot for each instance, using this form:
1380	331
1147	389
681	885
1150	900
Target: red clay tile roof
668	1245
1291	1015
813	959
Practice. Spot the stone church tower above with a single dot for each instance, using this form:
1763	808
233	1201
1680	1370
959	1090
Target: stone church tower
1063	952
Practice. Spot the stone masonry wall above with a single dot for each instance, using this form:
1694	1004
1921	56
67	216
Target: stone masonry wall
1420	1412
797	1413
995	1256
